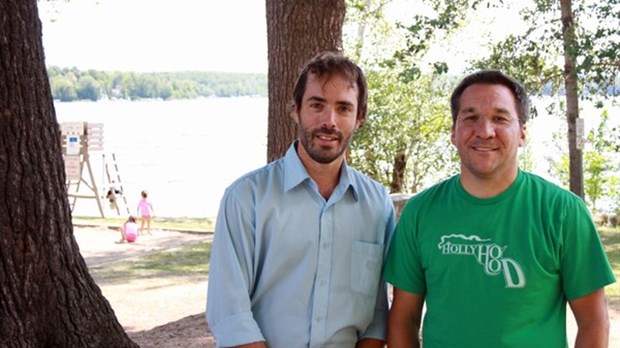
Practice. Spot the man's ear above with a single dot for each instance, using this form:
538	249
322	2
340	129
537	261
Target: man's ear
453	136
295	114
359	123
523	136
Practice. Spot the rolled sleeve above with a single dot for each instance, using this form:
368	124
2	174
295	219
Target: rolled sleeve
229	312
378	326
237	330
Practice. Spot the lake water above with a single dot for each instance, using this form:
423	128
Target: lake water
184	152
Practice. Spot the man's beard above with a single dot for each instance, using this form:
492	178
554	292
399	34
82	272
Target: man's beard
319	153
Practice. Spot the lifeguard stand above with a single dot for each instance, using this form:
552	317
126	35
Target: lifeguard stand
80	139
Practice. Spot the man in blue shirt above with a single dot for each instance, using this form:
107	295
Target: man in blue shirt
299	244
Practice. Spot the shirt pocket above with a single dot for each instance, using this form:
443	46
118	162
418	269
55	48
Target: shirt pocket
366	261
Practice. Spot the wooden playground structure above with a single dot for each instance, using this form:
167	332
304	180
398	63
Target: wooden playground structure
82	144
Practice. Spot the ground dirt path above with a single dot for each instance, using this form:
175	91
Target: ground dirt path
155	312
168	312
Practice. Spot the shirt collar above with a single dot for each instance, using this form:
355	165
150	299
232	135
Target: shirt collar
295	173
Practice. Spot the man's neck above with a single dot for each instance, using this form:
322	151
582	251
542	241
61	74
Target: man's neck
326	175
487	187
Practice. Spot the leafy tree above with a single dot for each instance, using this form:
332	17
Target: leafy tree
405	144
63	89
601	162
88	88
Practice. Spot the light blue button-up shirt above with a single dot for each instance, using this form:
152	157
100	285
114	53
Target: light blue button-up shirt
294	270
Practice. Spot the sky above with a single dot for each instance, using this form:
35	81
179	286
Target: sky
196	35
156	35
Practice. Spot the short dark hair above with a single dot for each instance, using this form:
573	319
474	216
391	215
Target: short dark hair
331	63
492	77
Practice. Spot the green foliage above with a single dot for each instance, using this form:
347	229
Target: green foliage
601	163
88	88
526	159
69	84
528	62
394	57
405	142
407	122
63	89
535	56
446	17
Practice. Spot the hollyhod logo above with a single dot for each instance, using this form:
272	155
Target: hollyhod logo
489	255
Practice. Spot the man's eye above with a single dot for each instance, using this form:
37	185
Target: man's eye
470	119
501	119
345	109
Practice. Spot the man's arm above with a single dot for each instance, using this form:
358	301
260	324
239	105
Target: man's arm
590	312
229	309
370	343
405	319
375	334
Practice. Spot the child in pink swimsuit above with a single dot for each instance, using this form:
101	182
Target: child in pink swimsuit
145	212
129	231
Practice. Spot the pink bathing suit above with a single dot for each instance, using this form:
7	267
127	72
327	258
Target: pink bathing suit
131	231
144	207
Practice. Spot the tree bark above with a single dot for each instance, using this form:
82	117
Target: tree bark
297	30
398	173
572	99
47	297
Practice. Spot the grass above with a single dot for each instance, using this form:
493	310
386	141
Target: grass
193	260
182	223
190	261
611	240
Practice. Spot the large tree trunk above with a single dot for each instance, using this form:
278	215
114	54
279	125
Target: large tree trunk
296	31
572	100
47	297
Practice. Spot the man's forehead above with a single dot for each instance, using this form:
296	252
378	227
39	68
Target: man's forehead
332	78
487	95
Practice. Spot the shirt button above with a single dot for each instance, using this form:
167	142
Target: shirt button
325	245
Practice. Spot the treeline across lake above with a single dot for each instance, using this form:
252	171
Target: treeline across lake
71	84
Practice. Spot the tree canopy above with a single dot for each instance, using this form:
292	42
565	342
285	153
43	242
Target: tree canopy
70	84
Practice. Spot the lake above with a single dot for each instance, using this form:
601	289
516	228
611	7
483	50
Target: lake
184	152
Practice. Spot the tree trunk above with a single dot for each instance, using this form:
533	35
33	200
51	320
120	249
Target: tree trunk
297	30
398	173
47	297
572	100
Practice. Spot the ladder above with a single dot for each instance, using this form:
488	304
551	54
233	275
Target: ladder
114	187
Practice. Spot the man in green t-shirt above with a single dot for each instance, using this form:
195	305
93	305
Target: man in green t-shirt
495	253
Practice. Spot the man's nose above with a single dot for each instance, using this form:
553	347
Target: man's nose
328	118
485	128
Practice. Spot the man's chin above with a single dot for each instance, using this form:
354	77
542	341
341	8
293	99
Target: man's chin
324	157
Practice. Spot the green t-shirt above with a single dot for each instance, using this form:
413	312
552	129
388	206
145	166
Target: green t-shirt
497	272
